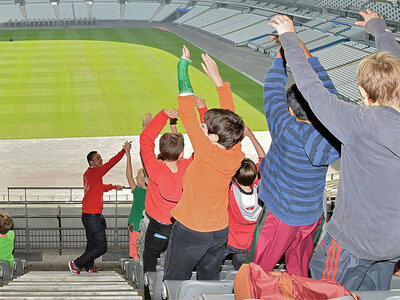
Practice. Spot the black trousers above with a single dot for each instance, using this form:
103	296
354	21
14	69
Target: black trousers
156	242
96	245
189	249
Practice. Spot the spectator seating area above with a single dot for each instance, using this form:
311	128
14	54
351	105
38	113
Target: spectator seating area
334	39
213	289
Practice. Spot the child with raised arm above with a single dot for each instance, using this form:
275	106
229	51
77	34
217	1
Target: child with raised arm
292	174
6	238
361	246
201	229
165	184
138	189
244	207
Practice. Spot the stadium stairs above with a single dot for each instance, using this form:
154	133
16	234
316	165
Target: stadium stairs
43	285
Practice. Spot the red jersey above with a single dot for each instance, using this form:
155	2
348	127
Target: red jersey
92	202
165	188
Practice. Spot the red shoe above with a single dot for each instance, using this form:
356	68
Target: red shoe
73	268
92	270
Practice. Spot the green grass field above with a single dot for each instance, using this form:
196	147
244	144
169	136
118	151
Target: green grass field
98	82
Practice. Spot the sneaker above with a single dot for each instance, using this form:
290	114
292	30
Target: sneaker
92	270
72	268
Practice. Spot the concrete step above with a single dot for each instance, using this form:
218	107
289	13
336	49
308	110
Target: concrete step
71	278
33	283
66	287
74	298
68	293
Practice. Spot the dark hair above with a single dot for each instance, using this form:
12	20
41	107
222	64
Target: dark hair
171	145
247	172
160	157
226	124
90	156
6	223
298	104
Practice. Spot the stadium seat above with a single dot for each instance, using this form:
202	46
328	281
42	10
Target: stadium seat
229	275
6	273
192	289
395	282
378	295
19	266
217	297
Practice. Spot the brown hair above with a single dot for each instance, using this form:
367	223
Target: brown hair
171	145
6	223
379	75
247	172
226	124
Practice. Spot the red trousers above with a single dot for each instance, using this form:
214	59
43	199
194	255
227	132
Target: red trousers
278	238
133	236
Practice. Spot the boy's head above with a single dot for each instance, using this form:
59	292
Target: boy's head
223	126
298	105
378	78
171	146
247	172
94	159
6	222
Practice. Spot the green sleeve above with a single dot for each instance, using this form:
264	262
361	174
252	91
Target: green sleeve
183	76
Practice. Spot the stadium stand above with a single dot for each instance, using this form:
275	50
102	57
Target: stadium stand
39	10
232	24
244	35
197	10
166	12
141	11
210	17
106	10
9	11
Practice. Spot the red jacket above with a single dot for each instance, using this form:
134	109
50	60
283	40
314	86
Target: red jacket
92	202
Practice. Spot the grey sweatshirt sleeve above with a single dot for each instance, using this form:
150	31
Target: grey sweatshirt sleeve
342	119
385	40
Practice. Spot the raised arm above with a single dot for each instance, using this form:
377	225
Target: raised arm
129	173
210	67
385	39
147	140
201	107
342	119
259	149
103	169
187	112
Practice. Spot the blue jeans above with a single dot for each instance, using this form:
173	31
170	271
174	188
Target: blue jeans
96	245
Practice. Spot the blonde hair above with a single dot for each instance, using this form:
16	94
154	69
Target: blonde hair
379	75
6	222
141	174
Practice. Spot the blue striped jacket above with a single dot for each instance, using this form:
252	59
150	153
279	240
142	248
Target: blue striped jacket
294	170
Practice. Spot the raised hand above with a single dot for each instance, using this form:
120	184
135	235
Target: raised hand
211	69
367	15
185	52
282	24
171	113
199	102
127	146
146	120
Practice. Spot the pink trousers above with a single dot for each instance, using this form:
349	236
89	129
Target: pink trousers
278	238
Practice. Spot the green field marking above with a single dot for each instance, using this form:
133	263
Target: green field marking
98	82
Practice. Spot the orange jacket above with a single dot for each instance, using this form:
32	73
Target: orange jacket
204	203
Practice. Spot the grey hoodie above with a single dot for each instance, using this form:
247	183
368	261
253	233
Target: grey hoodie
366	219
